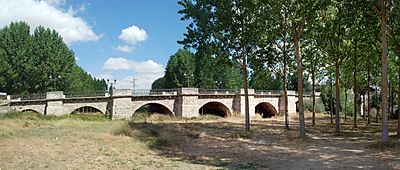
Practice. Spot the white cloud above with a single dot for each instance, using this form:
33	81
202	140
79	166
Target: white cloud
120	63
48	14
145	72
124	48
133	35
55	2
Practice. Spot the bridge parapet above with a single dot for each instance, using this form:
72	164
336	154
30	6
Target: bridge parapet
250	91
154	92
86	94
122	92
20	97
55	95
218	91
275	92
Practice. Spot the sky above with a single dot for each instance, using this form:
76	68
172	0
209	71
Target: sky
120	39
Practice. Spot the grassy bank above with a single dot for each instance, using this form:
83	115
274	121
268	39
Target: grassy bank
31	141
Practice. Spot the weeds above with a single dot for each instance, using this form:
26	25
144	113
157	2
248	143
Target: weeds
22	115
124	131
38	116
158	143
243	134
391	143
207	117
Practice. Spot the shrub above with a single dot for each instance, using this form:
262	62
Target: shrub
319	106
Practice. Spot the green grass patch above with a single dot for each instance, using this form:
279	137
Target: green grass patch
22	115
38	116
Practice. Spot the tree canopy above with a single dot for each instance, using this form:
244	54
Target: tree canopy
39	62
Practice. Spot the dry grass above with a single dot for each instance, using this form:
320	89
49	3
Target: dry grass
172	143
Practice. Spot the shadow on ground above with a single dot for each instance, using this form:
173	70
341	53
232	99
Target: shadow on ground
270	146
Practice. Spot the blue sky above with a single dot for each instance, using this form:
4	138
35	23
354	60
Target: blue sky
121	39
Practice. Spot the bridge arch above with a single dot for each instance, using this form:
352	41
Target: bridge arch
30	110
87	110
266	110
153	108
215	108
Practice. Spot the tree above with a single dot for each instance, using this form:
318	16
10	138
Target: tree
394	37
384	7
16	44
159	83
204	69
39	62
231	28
302	14
53	59
283	44
179	71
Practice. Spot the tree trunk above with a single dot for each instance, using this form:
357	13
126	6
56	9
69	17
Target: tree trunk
331	101
337	116
345	101
369	95
376	99
398	95
384	15
285	98
313	91
246	94
355	87
299	81
391	99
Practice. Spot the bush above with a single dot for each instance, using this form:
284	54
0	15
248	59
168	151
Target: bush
319	106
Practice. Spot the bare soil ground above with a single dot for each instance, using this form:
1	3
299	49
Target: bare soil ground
193	144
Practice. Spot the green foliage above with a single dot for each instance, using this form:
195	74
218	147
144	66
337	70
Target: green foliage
22	115
159	83
39	62
38	116
180	70
319	105
185	69
264	80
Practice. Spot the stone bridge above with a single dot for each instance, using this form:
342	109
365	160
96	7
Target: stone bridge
183	102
